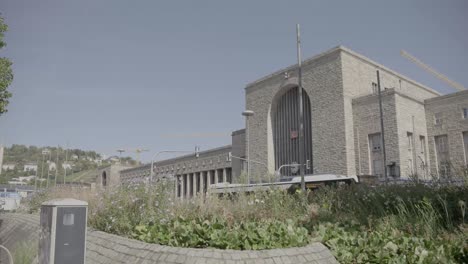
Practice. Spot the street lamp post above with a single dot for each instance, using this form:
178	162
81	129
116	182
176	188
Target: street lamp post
247	114
168	151
253	161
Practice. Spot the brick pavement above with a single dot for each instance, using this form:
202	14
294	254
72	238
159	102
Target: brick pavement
107	248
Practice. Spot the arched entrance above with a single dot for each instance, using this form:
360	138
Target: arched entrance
285	127
104	179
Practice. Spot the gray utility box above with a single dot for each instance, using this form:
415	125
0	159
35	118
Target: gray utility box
63	232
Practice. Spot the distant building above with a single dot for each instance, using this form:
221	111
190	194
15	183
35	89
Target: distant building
52	165
30	167
26	178
16	183
66	166
74	157
8	166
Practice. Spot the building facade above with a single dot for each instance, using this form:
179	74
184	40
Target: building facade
424	132
447	119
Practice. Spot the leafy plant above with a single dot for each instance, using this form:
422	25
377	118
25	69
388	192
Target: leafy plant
218	233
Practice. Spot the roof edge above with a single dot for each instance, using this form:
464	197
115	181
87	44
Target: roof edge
352	53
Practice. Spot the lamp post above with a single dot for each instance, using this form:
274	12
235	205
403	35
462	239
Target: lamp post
253	161
197	149
247	114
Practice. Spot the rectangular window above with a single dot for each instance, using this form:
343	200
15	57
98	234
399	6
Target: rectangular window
438	120
375	154
465	144
442	152
375	88
409	136
422	142
465	113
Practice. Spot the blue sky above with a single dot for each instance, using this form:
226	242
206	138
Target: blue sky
111	74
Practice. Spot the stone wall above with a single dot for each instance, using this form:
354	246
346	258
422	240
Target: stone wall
106	248
366	118
323	84
453	125
333	80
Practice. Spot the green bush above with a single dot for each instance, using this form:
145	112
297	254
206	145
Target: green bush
218	233
352	243
269	219
25	252
362	202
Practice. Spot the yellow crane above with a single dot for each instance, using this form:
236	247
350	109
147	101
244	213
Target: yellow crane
137	151
429	69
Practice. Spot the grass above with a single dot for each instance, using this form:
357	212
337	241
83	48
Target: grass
82	176
25	253
360	224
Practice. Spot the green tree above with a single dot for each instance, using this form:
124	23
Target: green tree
6	73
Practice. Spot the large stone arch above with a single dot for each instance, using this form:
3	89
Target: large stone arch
283	128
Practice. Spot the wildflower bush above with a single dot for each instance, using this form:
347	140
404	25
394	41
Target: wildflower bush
393	223
360	224
265	220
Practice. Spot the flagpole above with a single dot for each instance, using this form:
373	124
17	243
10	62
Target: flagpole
300	110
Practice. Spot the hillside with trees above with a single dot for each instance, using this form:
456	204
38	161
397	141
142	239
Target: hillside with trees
52	161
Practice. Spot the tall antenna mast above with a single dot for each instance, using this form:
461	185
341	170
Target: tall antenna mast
300	110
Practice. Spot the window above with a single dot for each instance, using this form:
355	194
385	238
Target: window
375	154
375	142
442	152
422	141
465	144
465	113
409	136
375	88
438	119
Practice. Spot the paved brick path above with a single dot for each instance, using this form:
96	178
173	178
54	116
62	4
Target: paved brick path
107	248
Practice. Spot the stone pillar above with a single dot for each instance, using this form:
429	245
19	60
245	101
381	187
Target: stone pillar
202	183
194	185
184	179
224	175
216	176
177	181
189	185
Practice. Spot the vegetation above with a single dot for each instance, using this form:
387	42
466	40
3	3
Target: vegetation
6	73
82	162
25	252
393	224
360	224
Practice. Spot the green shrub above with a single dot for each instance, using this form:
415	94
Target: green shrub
25	253
352	243
362	202
218	233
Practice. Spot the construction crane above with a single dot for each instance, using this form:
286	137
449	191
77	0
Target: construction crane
137	151
437	74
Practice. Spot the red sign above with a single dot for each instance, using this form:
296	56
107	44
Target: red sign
293	134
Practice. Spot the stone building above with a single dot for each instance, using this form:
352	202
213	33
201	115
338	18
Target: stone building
342	123
424	131
447	129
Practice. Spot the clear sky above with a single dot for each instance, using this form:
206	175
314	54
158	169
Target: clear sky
111	74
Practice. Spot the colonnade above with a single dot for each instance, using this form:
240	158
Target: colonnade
193	184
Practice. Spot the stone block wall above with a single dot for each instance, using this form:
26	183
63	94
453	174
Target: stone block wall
453	125
323	84
106	248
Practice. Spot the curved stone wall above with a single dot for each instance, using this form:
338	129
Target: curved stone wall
106	248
